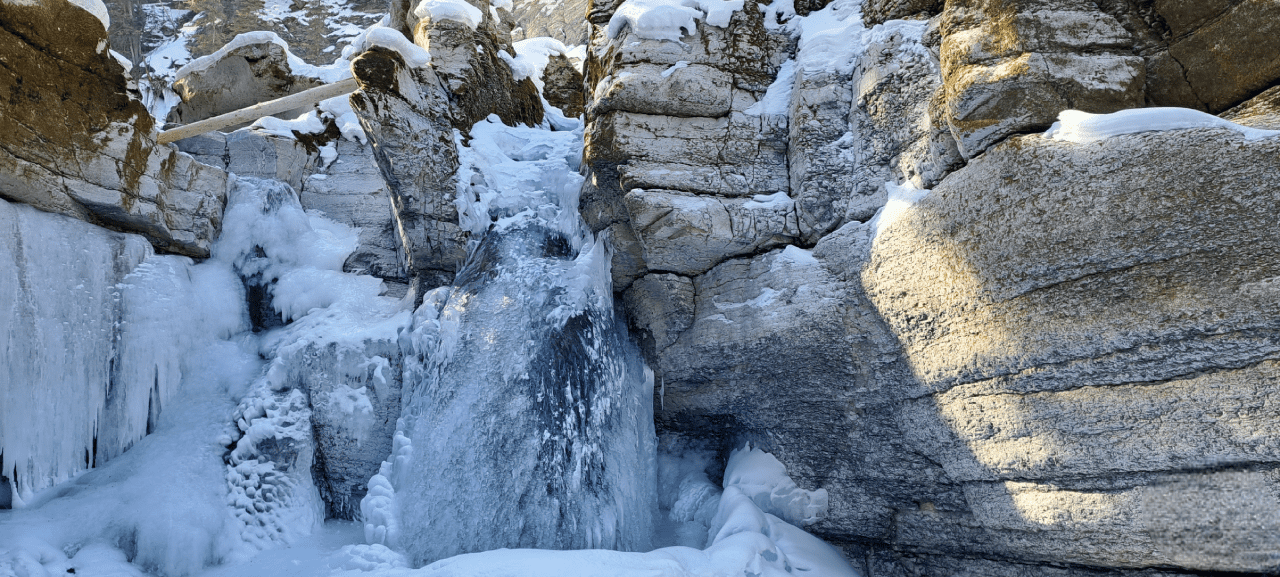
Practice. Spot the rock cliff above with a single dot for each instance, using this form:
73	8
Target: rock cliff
1059	356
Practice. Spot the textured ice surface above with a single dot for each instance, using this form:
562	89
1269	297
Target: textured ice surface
528	418
226	470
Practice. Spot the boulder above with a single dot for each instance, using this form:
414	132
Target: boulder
562	85
1095	325
76	140
237	76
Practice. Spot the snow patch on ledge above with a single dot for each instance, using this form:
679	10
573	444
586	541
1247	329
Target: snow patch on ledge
456	10
339	70
900	199
670	19
1083	127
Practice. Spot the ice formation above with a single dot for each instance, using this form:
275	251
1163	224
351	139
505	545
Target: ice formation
527	418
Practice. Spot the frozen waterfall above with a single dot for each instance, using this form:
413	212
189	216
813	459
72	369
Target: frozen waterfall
528	418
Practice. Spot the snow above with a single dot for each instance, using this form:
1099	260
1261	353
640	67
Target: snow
456	10
901	198
740	530
339	70
98	9
776	200
532	56
674	67
777	99
415	56
1083	127
670	19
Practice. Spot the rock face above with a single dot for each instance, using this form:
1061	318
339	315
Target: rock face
560	20
562	86
1204	55
1057	363
137	28
1098	341
669	116
241	77
74	139
405	113
1010	67
411	116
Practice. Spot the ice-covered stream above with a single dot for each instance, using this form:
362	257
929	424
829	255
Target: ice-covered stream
527	410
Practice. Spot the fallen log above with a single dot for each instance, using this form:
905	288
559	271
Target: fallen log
287	103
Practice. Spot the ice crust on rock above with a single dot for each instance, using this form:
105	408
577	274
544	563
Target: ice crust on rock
1083	127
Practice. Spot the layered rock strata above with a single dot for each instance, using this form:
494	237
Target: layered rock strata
75	139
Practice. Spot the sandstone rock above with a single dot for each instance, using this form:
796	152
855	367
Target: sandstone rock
672	116
688	234
562	86
252	153
405	113
1011	67
785	351
662	307
1263	111
689	90
1097	326
241	77
75	140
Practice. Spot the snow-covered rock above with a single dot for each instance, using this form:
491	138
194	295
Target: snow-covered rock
253	68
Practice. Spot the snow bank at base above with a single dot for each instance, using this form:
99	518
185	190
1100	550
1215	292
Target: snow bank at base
748	533
670	19
1083	127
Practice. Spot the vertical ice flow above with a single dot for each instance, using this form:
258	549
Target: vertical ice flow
528	414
